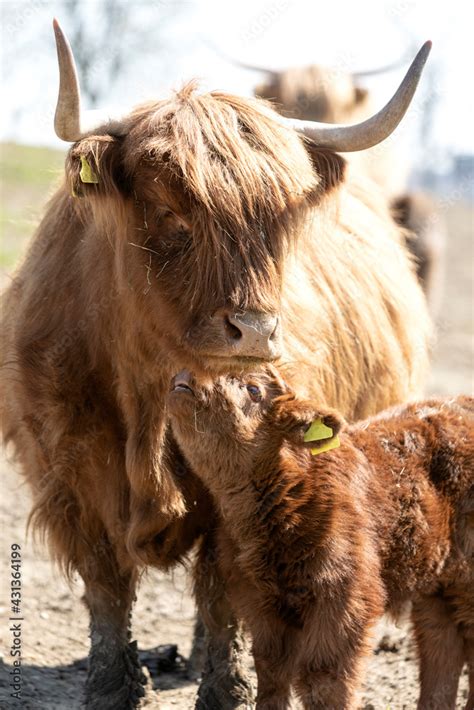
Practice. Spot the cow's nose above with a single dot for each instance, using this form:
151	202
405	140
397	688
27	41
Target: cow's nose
252	334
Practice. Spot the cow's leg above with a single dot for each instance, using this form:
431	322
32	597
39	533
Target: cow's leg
115	680
225	684
465	618
469	644
441	654
198	650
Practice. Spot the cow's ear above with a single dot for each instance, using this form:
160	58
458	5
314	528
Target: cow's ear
303	422
360	94
94	167
330	166
401	208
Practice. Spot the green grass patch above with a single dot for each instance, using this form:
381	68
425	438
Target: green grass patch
28	175
26	165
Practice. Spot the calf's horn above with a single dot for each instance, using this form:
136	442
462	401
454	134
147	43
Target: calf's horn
360	136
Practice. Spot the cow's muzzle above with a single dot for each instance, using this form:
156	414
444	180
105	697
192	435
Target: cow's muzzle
249	334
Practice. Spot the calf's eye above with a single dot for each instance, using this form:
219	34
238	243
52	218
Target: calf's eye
254	392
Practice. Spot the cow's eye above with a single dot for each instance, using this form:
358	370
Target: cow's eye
255	393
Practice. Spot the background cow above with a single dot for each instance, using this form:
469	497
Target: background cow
426	237
196	231
318	93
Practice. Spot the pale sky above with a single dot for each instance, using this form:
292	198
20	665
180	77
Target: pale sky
274	33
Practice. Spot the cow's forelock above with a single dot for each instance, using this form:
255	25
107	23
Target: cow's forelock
201	267
220	191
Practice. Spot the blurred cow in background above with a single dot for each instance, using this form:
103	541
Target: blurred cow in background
416	212
319	93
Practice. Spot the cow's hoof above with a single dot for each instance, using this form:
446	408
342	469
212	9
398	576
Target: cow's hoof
225	693
116	681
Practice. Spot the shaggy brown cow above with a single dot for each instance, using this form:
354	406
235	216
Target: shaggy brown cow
319	93
196	231
314	548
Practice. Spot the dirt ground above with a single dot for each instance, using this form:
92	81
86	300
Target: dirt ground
55	624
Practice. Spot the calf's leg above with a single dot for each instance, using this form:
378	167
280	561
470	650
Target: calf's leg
332	664
323	690
441	653
329	685
225	684
274	674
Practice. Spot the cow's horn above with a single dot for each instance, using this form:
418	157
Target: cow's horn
255	67
237	63
374	130
381	70
70	123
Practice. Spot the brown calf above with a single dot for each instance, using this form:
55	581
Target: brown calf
314	548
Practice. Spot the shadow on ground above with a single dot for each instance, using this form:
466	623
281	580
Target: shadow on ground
167	670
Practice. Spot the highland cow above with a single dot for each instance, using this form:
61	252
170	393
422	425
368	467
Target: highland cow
198	231
323	527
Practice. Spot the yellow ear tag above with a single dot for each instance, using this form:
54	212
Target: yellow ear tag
87	174
318	431
332	444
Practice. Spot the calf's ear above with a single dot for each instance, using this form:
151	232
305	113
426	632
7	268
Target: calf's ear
303	423
323	429
94	167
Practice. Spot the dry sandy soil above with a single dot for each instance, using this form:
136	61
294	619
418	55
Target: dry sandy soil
55	626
